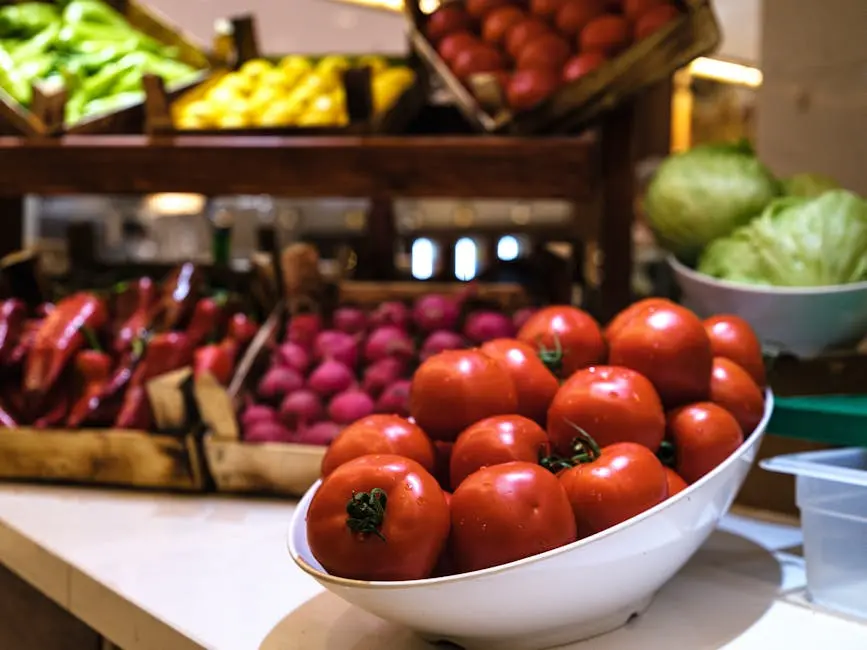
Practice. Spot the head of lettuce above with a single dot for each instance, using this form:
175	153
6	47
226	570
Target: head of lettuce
796	242
706	193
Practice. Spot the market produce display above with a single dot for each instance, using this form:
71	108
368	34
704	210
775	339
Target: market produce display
532	48
294	91
717	207
328	372
657	401
86	360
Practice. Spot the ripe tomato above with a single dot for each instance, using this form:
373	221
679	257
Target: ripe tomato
611	404
504	513
536	385
443	455
675	483
617	323
453	389
634	9
608	34
668	345
479	8
654	20
497	440
732	388
704	435
571	331
733	338
446	20
498	22
379	434
522	33
379	517
618	482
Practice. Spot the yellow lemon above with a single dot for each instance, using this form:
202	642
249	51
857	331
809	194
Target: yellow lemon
231	120
295	62
332	65
195	115
223	95
280	113
399	76
375	62
256	68
264	97
237	82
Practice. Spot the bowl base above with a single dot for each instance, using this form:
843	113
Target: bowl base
548	638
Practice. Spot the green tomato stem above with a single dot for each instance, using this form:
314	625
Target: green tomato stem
366	512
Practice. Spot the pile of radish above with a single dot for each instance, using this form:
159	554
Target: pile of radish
329	372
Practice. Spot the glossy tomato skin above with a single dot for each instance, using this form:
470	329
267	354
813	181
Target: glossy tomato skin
415	525
668	345
733	338
617	323
611	404
704	435
623	482
453	389
535	384
497	440
732	388
676	485
379	434
575	331
504	513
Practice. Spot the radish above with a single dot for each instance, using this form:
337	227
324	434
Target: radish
351	320
395	399
436	312
381	373
330	377
440	341
487	325
268	432
303	328
291	355
301	408
349	406
340	346
321	433
522	316
278	382
391	312
388	341
256	413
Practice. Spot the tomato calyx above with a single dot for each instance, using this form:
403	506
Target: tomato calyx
584	450
366	511
667	454
552	357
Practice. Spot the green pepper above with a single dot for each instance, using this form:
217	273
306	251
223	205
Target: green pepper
129	81
38	45
102	82
37	67
90	63
92	11
27	19
12	82
90	38
112	103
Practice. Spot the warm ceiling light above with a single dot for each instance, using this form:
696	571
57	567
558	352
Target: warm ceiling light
726	72
171	204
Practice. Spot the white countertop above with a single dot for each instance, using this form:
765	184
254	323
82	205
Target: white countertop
154	572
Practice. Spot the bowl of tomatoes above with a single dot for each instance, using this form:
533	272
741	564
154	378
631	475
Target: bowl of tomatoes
484	521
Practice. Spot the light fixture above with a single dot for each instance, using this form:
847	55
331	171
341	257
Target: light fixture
726	72
173	204
466	259
422	259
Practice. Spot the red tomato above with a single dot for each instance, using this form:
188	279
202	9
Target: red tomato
668	345
545	8
497	23
733	338
480	8
446	20
609	403
530	87
379	434
443	453
456	388
582	64
573	15
676	484
536	385
629	313
545	52
476	59
634	9
508	512
732	388
494	441
654	20
378	517
622	481
568	329
608	34
704	435
522	33
454	44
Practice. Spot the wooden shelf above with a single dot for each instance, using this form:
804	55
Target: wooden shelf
461	167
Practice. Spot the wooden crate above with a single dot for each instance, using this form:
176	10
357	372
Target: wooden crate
290	469
648	62
45	116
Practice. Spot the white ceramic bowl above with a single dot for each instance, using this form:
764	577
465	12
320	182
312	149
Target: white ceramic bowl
571	593
803	321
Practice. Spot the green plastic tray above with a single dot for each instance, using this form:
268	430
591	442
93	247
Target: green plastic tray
829	419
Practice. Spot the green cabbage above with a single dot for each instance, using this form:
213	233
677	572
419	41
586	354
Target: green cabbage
809	185
704	194
796	242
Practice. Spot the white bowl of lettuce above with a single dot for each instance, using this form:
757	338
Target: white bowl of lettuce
797	273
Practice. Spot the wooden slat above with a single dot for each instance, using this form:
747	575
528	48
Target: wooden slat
464	167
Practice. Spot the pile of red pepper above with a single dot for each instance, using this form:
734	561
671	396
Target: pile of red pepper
86	360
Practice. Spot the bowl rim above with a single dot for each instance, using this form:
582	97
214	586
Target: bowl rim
682	269
753	440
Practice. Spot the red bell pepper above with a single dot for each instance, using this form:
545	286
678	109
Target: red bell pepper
94	371
217	359
242	329
59	338
28	336
137	323
13	315
208	317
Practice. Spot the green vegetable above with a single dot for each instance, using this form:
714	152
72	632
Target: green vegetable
36	46
12	81
112	103
93	11
796	242
26	19
704	194
809	185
